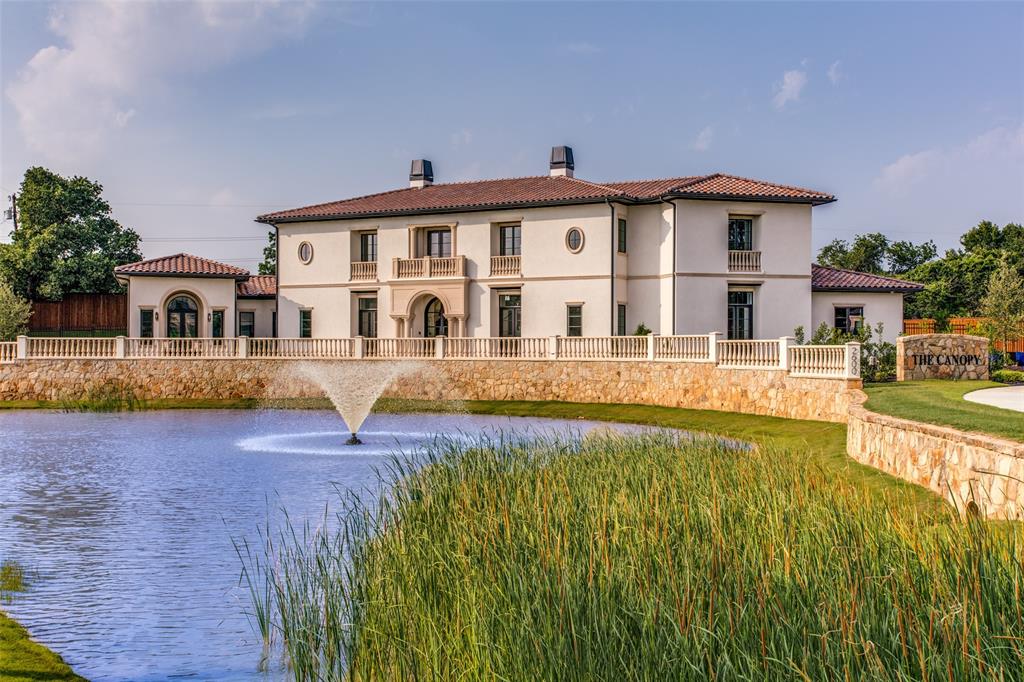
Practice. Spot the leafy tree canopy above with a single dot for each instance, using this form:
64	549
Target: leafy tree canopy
874	253
269	264
67	241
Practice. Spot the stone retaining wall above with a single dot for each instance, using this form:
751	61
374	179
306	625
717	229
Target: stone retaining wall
964	468
670	384
941	356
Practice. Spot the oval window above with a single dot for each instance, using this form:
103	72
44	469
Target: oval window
305	252
574	239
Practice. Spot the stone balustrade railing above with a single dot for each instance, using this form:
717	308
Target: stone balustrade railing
363	270
831	362
744	261
427	266
505	266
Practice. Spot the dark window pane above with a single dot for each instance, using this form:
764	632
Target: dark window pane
510	240
741	234
146	324
439	243
574	239
217	324
368	317
434	322
620	322
368	247
509	315
574	320
740	324
306	324
246	323
849	319
622	235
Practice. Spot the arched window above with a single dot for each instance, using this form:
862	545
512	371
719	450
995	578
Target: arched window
182	318
434	321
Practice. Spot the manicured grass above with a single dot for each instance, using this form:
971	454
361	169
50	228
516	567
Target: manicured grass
22	660
942	403
644	557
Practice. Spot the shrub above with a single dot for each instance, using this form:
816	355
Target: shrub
1008	376
877	358
14	313
642	330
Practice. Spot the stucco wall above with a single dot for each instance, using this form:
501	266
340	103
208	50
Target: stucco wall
155	292
961	467
674	384
884	308
941	356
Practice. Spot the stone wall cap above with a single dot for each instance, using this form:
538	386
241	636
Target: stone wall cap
915	337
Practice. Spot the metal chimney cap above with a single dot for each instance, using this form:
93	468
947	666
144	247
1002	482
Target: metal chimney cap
421	169
561	157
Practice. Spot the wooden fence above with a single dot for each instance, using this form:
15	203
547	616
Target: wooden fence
80	314
961	325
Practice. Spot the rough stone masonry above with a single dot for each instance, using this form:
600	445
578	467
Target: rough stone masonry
941	356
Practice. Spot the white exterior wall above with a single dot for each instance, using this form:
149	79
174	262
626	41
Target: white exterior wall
693	272
551	276
782	291
884	308
264	318
155	292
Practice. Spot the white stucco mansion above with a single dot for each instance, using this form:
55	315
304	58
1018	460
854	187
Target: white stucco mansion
535	256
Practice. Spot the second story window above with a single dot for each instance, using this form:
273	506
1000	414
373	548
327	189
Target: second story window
439	243
741	234
368	247
622	235
509	240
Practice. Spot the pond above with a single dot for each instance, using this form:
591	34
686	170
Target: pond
125	522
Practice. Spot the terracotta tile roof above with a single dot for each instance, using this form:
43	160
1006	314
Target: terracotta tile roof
544	190
184	264
258	286
835	279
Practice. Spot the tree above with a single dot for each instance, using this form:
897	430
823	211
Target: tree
902	257
866	254
1003	305
269	264
67	240
14	313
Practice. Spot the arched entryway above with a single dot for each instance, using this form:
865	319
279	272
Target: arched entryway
434	321
182	317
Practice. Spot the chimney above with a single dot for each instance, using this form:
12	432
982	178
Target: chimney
561	162
421	174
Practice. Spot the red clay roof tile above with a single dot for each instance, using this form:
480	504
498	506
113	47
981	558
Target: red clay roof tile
544	190
258	286
182	264
835	279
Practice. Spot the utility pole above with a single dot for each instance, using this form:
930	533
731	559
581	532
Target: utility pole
12	213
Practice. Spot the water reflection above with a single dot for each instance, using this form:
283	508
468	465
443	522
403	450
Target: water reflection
127	519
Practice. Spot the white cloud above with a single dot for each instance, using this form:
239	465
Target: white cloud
70	97
583	48
958	164
789	89
834	74
461	137
704	139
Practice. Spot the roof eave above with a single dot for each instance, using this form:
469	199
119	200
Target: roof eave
748	197
868	290
270	220
188	275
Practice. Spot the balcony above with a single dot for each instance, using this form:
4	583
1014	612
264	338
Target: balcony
744	261
420	268
505	266
363	270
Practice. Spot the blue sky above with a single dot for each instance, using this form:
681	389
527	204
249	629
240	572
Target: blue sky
196	117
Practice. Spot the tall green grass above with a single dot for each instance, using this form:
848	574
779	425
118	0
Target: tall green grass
642	557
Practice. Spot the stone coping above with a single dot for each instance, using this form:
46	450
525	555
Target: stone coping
914	337
1003	446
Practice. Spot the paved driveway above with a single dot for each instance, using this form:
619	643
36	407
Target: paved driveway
1008	397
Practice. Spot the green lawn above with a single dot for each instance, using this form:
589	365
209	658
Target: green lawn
22	660
942	403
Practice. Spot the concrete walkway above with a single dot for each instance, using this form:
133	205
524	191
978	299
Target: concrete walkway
1008	397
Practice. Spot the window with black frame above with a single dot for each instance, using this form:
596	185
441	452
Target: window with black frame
368	247
305	324
741	234
849	319
434	321
509	314
146	323
217	324
439	243
741	315
247	323
574	320
622	235
368	316
620	319
509	240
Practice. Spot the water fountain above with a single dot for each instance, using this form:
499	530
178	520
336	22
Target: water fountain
354	387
